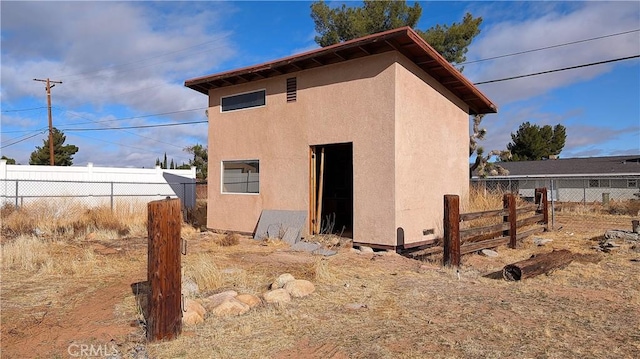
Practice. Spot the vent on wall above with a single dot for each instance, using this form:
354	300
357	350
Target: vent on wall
292	89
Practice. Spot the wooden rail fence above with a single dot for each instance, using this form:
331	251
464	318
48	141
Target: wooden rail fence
457	242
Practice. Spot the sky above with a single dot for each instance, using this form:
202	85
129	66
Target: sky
123	64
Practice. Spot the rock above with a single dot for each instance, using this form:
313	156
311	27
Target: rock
617	234
324	252
365	249
489	253
217	299
189	287
191	318
355	306
278	296
192	305
249	299
541	241
299	288
230	307
282	280
305	247
354	250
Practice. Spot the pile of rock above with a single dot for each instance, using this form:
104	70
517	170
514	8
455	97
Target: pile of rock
285	287
230	303
613	238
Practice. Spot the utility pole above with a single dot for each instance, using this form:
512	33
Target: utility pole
48	88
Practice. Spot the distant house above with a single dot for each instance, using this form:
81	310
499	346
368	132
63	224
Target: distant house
373	131
574	179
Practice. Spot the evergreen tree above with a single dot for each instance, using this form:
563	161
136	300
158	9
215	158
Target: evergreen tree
347	23
158	162
62	154
200	160
172	166
532	142
164	163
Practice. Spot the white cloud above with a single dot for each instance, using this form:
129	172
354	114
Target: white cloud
115	59
104	50
560	24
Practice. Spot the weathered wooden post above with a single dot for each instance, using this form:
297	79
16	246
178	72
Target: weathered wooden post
542	192
451	244
509	205
163	273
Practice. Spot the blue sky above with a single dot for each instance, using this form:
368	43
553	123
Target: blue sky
123	64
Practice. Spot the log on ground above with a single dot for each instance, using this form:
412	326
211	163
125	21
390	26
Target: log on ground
537	264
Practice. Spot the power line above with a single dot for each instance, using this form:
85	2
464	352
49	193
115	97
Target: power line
24	139
557	70
141	116
549	47
129	132
25	109
130	127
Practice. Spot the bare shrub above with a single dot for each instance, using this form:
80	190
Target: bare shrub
627	208
230	239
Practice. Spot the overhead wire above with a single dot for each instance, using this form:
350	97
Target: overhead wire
549	47
557	70
21	140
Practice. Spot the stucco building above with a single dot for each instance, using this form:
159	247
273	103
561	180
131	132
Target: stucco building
373	130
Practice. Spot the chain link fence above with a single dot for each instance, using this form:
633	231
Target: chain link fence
612	194
20	193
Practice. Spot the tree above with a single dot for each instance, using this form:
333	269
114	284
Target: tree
532	142
10	161
164	163
200	160
481	164
347	23
62	154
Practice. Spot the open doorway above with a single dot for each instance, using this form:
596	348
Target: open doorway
331	189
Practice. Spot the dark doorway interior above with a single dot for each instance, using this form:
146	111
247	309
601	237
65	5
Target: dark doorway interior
337	188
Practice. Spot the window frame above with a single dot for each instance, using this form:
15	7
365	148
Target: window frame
264	90
222	183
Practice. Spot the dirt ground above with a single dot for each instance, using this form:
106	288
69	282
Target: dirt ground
409	308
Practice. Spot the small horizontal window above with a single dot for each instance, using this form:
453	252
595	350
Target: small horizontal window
245	100
632	183
241	176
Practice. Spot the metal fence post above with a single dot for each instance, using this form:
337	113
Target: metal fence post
553	205
111	196
17	193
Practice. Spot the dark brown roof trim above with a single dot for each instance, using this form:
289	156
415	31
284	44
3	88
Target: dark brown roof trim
404	40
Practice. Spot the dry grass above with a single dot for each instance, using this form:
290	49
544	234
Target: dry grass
72	219
26	253
413	309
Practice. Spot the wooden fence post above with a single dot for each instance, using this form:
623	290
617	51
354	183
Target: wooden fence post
544	204
451	256
163	272
509	204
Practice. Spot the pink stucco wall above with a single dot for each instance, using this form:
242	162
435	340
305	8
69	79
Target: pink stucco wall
402	132
431	142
